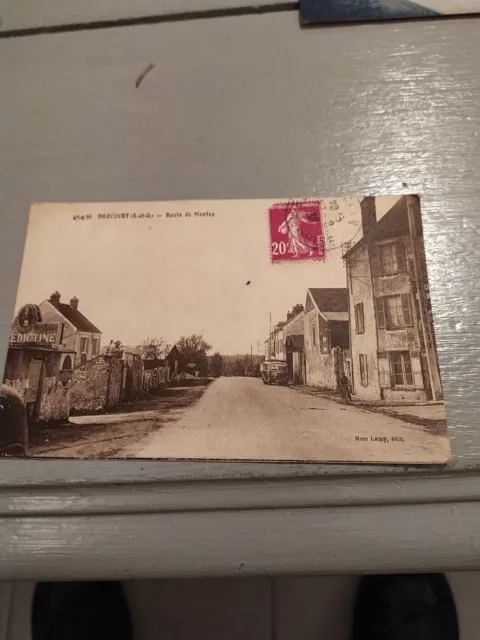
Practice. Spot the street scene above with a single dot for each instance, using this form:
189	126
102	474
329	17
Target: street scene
275	422
318	346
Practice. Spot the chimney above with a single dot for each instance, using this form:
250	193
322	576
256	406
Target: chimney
369	216
74	303
55	298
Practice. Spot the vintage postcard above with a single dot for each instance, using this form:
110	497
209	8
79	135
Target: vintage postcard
317	11
273	330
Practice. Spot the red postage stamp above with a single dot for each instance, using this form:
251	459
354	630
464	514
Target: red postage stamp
296	231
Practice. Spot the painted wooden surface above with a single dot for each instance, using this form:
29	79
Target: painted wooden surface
431	537
244	107
21	15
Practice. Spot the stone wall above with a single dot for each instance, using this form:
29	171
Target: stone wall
114	381
133	375
54	400
97	384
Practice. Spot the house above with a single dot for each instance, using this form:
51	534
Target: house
38	367
326	336
80	335
293	335
275	344
392	336
173	360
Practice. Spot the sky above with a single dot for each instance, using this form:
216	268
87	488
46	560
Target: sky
167	277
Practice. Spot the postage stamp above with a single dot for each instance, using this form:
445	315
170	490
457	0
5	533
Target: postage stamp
296	231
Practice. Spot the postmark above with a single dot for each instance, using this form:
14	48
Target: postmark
296	231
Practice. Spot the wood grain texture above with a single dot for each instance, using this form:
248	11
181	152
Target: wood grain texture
32	15
301	492
294	541
323	114
237	108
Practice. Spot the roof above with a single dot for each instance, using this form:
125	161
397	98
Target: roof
174	352
150	364
330	299
339	316
295	341
295	317
391	225
74	316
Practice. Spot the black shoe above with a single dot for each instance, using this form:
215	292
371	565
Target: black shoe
80	611
405	607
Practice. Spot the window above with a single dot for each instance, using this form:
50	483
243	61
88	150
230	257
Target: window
401	368
95	346
392	258
380	311
362	361
393	312
324	343
83	345
397	311
314	336
359	318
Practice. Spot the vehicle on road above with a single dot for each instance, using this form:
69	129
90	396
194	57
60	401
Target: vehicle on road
274	372
13	423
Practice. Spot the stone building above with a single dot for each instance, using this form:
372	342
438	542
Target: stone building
293	331
392	337
38	367
275	344
80	335
326	331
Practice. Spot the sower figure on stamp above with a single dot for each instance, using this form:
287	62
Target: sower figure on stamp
291	226
13	423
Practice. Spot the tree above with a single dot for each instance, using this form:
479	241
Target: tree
217	364
239	368
194	349
153	348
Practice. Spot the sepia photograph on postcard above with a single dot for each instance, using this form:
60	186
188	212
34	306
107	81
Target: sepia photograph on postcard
255	330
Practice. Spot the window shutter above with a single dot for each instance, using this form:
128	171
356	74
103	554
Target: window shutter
407	312
374	260
380	311
400	248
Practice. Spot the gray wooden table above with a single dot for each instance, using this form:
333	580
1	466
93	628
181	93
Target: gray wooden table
244	104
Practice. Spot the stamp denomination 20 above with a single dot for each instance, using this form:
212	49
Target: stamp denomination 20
296	231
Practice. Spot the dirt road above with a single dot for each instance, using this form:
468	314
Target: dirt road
240	418
107	435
